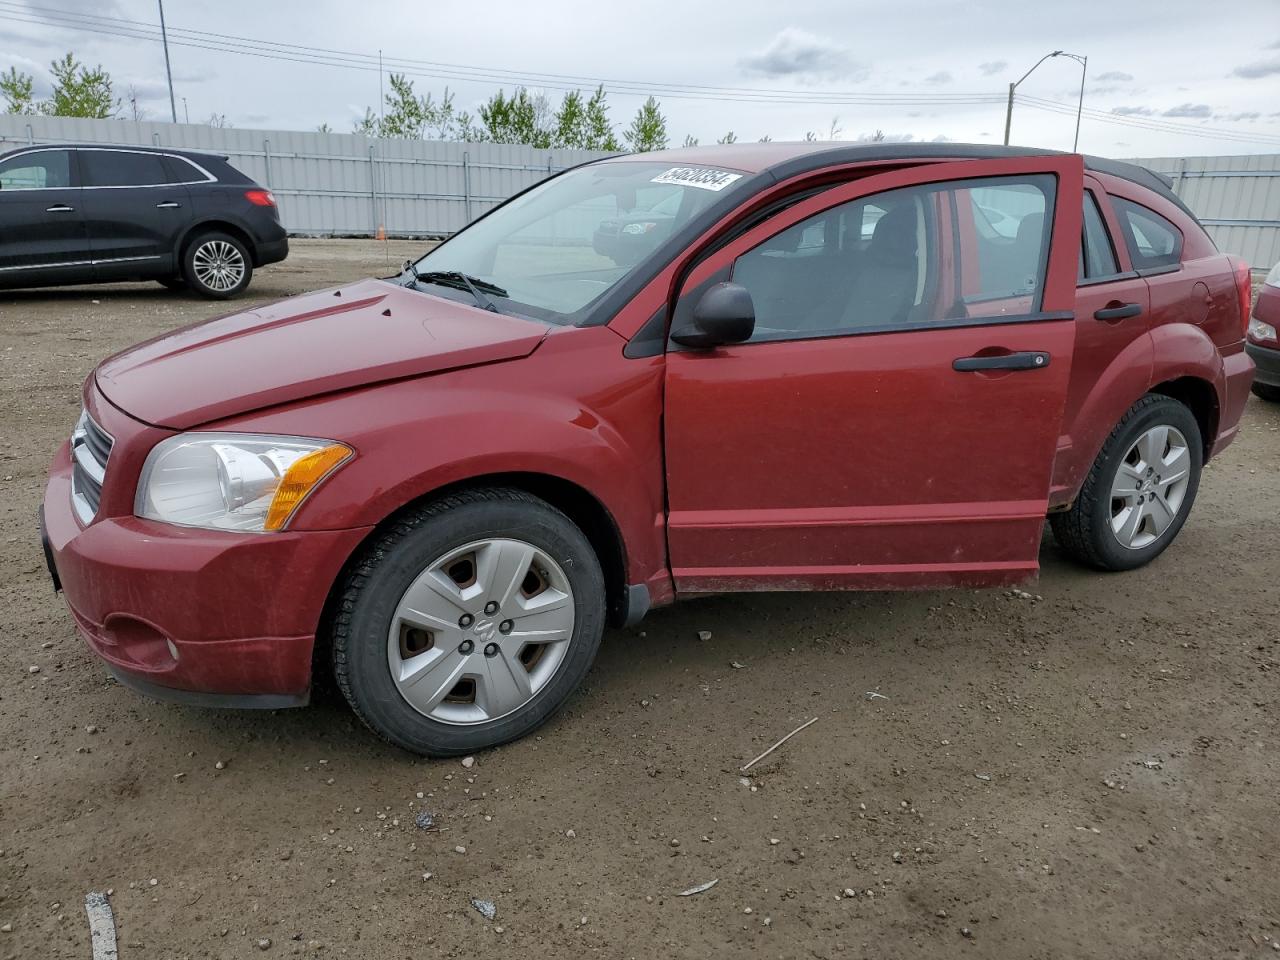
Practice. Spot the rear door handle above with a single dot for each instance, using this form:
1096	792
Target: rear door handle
59	208
168	205
1027	360
1120	311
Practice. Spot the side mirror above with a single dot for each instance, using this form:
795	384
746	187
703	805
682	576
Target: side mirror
725	314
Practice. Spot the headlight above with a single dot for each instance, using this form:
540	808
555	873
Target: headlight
233	481
1261	331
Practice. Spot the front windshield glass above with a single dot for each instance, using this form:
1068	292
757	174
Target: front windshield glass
557	248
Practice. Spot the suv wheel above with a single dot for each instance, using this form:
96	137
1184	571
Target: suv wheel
1265	391
217	266
468	622
1140	489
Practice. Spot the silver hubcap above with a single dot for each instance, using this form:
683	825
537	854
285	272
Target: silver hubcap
218	265
1150	487
481	631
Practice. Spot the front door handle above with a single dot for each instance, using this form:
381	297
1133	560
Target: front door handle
1116	310
1026	360
60	208
168	205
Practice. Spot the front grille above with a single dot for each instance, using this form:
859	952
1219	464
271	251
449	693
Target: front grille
90	450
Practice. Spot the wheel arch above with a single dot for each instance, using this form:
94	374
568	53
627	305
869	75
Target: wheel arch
1199	396
215	225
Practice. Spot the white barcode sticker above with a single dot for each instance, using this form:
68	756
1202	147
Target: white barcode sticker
701	177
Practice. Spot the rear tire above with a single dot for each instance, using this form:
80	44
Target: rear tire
217	266
468	622
1139	491
1265	391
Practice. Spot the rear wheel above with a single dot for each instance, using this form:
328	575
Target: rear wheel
217	266
469	622
1140	489
1266	391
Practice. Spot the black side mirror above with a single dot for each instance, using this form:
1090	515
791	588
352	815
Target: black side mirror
725	314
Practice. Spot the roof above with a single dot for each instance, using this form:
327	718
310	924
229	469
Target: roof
134	147
783	159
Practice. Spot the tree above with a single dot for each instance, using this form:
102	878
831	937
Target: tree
324	128
79	91
598	126
648	130
519	118
690	140
729	137
136	112
836	129
571	121
766	139
810	136
218	121
877	137
18	90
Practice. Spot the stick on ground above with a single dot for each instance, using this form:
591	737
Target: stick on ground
777	745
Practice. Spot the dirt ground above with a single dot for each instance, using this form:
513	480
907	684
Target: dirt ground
1091	774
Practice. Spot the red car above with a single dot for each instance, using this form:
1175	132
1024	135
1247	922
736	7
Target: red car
833	372
1263	343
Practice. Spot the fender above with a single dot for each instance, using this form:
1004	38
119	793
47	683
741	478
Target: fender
575	409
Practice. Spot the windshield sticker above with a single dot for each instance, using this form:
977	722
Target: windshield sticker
699	177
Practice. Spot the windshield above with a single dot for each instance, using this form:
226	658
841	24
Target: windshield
554	250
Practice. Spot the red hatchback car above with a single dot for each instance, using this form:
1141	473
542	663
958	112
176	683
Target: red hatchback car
833	367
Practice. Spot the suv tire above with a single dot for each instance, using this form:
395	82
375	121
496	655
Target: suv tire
217	266
437	609
1159	484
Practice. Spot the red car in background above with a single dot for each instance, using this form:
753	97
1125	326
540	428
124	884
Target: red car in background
1263	342
837	367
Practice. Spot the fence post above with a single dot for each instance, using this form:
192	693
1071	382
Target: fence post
373	192
31	137
266	150
466	186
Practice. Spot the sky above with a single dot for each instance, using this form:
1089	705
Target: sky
1167	78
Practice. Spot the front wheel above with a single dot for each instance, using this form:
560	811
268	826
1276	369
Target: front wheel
1140	489
217	266
468	622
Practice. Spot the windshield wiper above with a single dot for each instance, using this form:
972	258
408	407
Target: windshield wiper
458	280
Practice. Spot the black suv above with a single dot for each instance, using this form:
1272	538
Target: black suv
90	214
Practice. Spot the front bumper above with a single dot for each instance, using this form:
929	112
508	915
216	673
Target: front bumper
231	617
1267	360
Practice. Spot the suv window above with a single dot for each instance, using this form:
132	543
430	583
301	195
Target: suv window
36	171
903	259
1097	257
1152	240
121	168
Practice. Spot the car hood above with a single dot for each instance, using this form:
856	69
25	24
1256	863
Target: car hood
336	339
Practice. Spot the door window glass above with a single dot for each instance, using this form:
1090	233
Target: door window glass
120	168
1152	240
915	257
36	171
1097	258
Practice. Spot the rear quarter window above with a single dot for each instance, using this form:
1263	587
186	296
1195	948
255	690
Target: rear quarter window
1153	241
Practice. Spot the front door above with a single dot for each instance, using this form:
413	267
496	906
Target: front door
134	212
893	420
42	231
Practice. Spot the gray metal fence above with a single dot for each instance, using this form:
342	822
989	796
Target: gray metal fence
341	184
336	184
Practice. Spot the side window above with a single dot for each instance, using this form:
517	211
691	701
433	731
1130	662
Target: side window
1152	240
1097	258
120	168
904	259
36	171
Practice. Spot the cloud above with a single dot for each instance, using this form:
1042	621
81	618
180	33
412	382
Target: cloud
1244	115
1133	111
1195	110
804	56
941	138
942	76
1258	69
1118	76
992	67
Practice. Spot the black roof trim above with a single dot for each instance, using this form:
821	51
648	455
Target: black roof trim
135	147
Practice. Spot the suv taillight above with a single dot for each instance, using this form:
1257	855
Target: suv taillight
260	198
1244	290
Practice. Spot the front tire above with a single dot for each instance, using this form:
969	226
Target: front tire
217	266
1139	491
469	622
1265	391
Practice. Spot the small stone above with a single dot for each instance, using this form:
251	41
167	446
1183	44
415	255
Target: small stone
91	728
7	928
767	921
220	765
427	876
966	932
264	943
424	820
459	849
735	664
485	908
747	910
850	892
704	634
675	842
570	834
774	841
985	777
897	856
583	922
178	776
153	881
468	762
33	669
941	914
497	929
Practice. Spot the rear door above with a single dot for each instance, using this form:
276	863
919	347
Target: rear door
893	420
135	212
42	229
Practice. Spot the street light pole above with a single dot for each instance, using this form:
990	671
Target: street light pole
1084	68
164	38
1008	113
